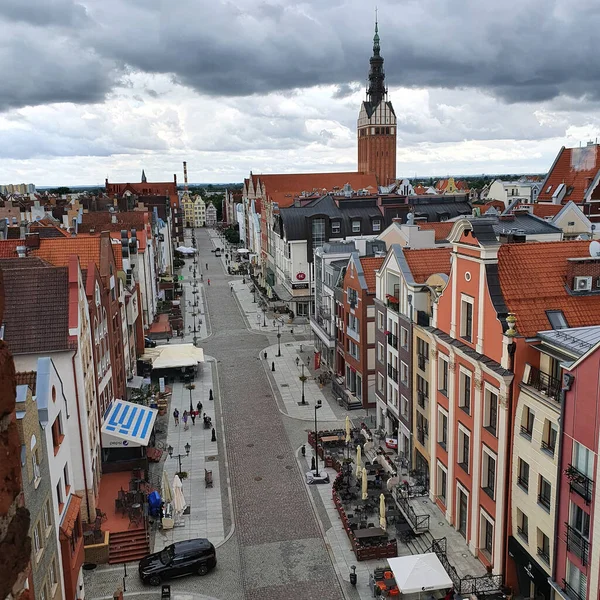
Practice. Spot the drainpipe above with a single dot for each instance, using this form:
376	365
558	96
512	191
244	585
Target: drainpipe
85	483
512	347
558	483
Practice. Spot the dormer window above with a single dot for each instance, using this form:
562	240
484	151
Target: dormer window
548	189
356	226
376	224
557	319
336	227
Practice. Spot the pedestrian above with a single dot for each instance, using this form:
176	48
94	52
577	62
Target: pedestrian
201	277
193	416
185	420
199	407
208	282
231	287
176	417
207	266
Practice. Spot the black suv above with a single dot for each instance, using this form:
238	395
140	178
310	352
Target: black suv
182	558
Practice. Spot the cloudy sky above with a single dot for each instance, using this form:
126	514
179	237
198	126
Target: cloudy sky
101	88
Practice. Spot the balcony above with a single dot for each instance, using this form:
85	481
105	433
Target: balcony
544	383
392	340
393	373
577	544
325	313
571	592
421	361
579	483
392	302
421	397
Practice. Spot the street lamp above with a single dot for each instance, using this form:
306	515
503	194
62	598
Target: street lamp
317	407
278	341
264	317
191	386
303	379
180	456
254	291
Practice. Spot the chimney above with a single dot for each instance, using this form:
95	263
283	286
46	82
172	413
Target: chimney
185	181
175	179
23	230
21	251
32	241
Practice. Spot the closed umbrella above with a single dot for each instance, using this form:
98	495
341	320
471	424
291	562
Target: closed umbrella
167	493
382	520
178	500
358	466
365	493
348	426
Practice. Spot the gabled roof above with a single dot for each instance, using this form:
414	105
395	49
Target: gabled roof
441	230
370	264
424	262
27	378
543	210
497	204
282	188
532	277
36	308
87	248
576	168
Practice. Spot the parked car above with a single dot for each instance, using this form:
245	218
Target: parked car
149	343
196	556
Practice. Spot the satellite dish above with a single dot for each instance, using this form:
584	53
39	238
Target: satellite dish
595	249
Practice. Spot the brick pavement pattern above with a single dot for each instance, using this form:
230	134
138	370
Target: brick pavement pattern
283	555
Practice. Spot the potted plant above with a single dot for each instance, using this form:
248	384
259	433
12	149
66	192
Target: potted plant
572	474
182	475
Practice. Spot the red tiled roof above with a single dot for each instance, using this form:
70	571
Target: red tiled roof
28	378
130	218
424	262
8	248
71	516
282	188
497	204
575	167
419	189
369	265
161	188
546	210
532	279
441	230
57	251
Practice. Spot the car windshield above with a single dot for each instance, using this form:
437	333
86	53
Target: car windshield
166	555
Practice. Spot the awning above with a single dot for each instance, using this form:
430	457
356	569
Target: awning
70	516
127	424
135	383
419	573
243	251
282	293
173	356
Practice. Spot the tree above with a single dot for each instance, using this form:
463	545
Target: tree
60	190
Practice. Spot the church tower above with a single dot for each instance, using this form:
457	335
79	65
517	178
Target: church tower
377	124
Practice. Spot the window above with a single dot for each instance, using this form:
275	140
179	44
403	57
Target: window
442	482
464	440
318	233
59	496
352	297
443	376
336	227
583	460
487	535
544	493
353	349
488	474
557	319
422	353
355	226
380	352
380	383
404	373
522	524
380	320
523	475
580	521
442	428
527	420
466	319
549	437
376	224
404	338
464	400
57	434
404	407
35	465
37	540
576	581
67	478
490	411
422	391
46	517
543	548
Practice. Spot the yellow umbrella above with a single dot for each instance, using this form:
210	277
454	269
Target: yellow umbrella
365	494
382	521
166	488
348	426
358	466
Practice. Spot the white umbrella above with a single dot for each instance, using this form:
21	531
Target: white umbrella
382	521
348	427
365	493
358	465
178	500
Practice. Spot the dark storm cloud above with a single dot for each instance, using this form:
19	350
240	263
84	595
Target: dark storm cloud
519	50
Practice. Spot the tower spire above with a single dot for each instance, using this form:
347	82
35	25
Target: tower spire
376	91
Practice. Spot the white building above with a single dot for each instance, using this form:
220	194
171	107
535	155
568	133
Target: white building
211	215
508	191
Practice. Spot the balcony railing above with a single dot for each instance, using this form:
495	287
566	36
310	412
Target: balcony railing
526	431
393	373
421	434
392	302
392	340
547	447
524	483
577	544
544	383
421	360
421	397
579	483
571	592
544	555
544	501
523	532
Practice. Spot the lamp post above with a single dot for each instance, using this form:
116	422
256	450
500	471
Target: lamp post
303	379
278	341
317	407
191	386
264	317
254	291
179	456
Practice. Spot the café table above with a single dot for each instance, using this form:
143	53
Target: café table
370	533
330	438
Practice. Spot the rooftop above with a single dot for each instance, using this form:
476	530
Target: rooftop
425	262
441	230
370	264
532	278
27	378
574	340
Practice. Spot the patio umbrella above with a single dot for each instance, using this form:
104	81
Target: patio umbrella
365	493
382	521
358	467
178	500
348	427
167	492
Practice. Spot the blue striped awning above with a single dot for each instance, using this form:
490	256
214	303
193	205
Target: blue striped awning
127	424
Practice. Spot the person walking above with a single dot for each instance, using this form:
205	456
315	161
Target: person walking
199	407
176	417
185	420
208	282
193	417
207	266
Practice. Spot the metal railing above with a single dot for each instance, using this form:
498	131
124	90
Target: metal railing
524	483
421	360
526	431
393	373
570	591
577	544
544	501
544	383
579	483
419	523
547	447
392	340
544	555
421	397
